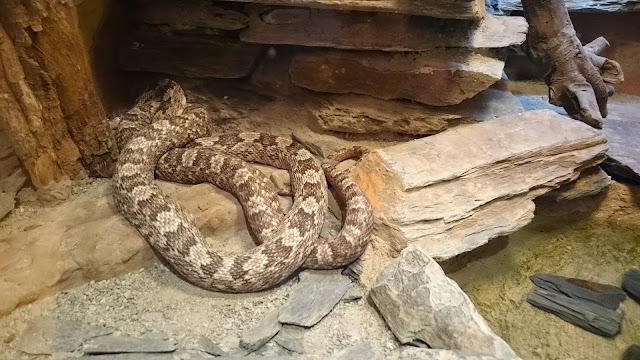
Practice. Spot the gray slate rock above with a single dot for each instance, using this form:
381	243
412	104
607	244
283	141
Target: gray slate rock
314	297
413	353
589	316
261	333
363	351
632	353
631	283
352	294
127	344
605	295
47	335
291	337
622	130
419	302
205	344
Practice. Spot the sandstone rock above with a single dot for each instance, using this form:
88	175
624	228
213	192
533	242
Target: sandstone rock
313	298
591	181
622	130
414	353
443	77
456	190
466	9
380	30
87	239
419	302
185	55
191	15
575	5
364	114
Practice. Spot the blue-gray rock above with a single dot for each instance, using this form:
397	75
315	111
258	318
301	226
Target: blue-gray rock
605	295
127	344
48	335
631	283
261	332
587	315
622	130
314	297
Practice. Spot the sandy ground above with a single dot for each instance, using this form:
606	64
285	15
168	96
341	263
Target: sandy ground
599	243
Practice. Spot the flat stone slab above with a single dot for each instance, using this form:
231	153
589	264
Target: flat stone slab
362	114
591	181
190	15
420	303
205	344
262	332
313	298
127	344
631	283
454	191
438	78
48	336
380	31
464	9
605	295
576	5
291	338
587	315
362	351
414	353
622	129
185	55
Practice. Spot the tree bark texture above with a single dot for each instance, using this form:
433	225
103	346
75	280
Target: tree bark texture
51	109
579	79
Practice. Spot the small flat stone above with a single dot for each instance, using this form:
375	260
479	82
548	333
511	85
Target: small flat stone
291	338
314	297
414	353
282	181
587	315
48	335
352	294
127	344
363	351
261	332
632	353
205	344
608	296
319	144
631	283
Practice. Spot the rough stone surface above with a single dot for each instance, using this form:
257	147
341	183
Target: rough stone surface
353	113
622	129
125	344
190	15
205	344
48	336
314	297
419	302
591	181
631	283
191	56
456	190
608	296
589	316
465	9
87	239
291	338
574	5
443	77
352	294
414	353
380	31
259	334
363	351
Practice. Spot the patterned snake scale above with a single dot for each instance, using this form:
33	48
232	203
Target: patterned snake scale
287	242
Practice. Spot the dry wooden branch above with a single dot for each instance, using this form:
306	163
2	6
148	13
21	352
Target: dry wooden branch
579	79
